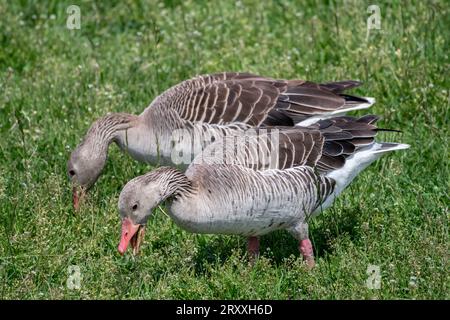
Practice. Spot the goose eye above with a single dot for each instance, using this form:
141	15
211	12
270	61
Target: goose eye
134	207
72	173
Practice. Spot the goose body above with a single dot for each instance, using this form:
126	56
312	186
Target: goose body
250	203
238	186
186	118
209	107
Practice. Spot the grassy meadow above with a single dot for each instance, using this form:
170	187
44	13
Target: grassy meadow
54	82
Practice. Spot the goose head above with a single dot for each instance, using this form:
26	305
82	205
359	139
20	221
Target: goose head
84	167
140	196
136	203
87	160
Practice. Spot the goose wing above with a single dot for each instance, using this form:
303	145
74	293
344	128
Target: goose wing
230	97
324	146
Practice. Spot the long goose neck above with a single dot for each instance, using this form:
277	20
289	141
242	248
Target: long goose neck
173	183
170	182
106	129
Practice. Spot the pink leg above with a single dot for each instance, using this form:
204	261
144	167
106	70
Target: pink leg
253	247
306	249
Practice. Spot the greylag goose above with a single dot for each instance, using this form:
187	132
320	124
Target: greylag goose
238	186
209	107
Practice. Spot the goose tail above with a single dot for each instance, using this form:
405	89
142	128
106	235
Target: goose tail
361	160
390	146
357	163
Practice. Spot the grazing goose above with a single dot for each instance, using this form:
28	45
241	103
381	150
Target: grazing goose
239	186
204	109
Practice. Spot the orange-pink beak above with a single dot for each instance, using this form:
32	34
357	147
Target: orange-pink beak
77	194
75	198
131	234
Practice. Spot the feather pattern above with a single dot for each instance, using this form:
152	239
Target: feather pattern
229	97
324	146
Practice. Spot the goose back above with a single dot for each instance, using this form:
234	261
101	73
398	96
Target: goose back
231	97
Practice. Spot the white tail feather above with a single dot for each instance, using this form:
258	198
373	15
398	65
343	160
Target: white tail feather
387	146
340	112
357	107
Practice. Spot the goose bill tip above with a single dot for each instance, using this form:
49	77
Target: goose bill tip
75	198
132	234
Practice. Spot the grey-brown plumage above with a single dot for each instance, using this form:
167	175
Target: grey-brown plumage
230	97
323	146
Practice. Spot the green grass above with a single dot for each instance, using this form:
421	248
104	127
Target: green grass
54	82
